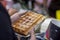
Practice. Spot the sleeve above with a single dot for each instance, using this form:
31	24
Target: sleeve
6	30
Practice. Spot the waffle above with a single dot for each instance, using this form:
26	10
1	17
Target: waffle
27	22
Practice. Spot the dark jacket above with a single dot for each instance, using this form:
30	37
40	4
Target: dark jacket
6	31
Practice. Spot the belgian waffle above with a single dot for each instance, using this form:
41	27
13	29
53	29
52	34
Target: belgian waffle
27	22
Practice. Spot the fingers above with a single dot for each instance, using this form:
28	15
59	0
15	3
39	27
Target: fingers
32	32
11	11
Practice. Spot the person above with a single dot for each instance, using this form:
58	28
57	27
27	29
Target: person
6	31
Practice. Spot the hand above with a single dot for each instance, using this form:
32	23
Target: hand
32	34
11	11
17	15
